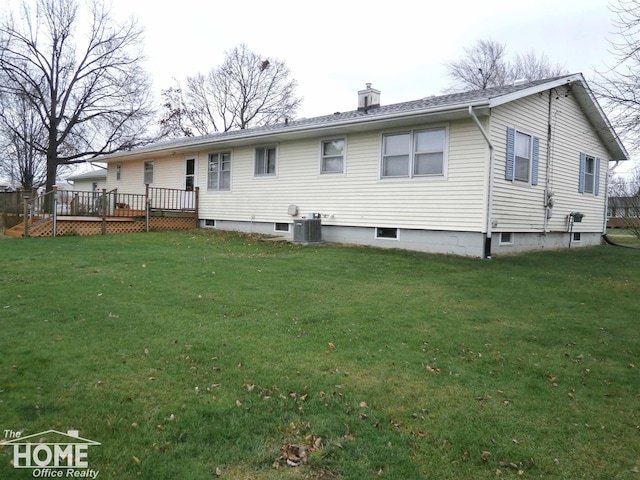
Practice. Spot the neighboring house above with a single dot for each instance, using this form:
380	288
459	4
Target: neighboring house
475	173
623	212
92	181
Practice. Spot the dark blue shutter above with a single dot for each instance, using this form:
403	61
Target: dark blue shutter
535	161
583	164
511	154
596	178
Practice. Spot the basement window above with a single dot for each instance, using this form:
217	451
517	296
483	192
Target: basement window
506	238
387	233
209	223
282	227
576	237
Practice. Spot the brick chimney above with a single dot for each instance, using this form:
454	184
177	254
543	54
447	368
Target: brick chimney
368	98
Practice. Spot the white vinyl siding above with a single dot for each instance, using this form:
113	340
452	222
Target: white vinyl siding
521	208
359	198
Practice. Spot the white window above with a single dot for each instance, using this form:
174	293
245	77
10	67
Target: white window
281	227
589	174
265	161
522	159
429	152
419	153
118	171
148	172
522	166
219	171
332	156
190	174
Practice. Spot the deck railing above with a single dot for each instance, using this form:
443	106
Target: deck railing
171	199
104	204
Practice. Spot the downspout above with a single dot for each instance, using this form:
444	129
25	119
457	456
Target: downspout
605	230
548	200
487	240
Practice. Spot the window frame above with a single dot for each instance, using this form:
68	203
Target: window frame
220	171
380	233
278	227
511	157
190	163
265	173
118	172
411	153
324	158
148	172
593	186
528	159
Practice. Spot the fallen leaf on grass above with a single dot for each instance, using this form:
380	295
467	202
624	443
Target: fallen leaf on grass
136	459
432	369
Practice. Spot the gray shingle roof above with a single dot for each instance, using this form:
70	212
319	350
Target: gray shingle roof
425	105
441	101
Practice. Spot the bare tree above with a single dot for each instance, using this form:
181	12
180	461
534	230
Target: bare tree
486	64
175	121
80	75
619	87
624	201
482	66
532	66
20	161
246	90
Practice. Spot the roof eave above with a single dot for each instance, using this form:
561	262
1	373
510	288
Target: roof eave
286	131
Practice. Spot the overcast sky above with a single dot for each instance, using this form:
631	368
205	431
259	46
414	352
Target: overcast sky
333	48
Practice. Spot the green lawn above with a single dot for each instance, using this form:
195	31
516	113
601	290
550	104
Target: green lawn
196	355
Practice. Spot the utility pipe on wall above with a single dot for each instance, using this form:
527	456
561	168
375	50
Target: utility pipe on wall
487	241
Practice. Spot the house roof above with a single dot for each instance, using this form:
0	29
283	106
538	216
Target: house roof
92	175
444	107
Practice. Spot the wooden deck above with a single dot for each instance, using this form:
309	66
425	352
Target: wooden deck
68	225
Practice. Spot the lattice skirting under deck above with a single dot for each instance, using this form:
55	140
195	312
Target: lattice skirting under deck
94	227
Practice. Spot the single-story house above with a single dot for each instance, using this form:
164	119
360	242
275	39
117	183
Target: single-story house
91	181
623	212
479	173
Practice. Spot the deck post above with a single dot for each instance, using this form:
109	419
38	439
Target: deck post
55	210
25	216
103	202
197	200
147	202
